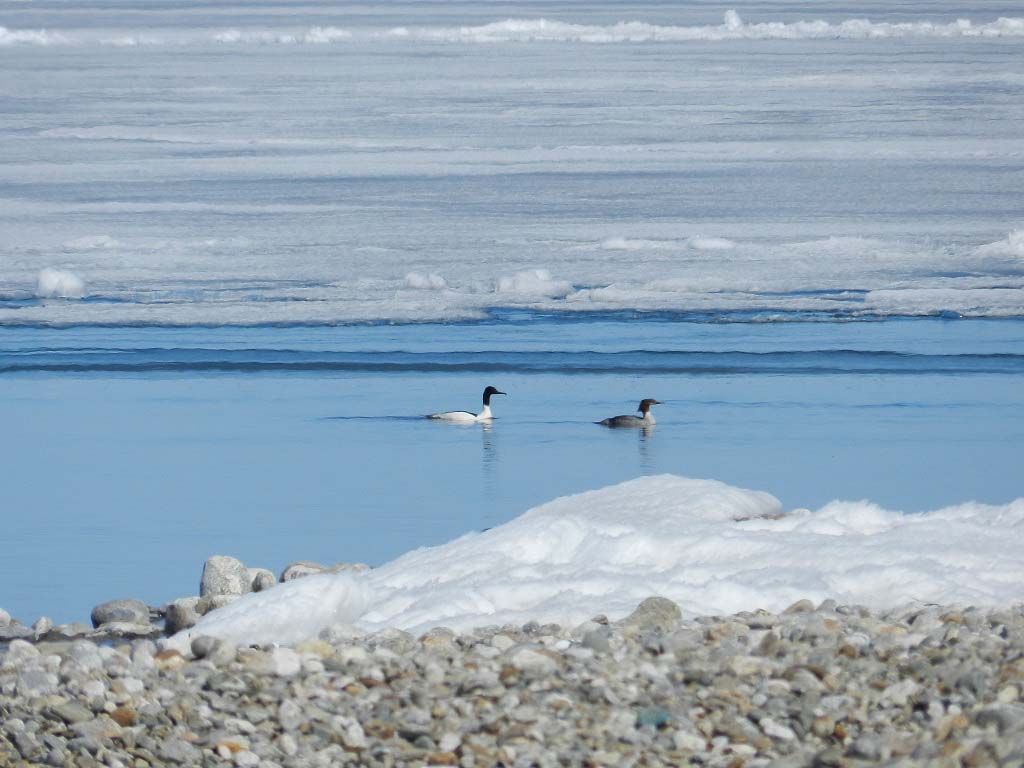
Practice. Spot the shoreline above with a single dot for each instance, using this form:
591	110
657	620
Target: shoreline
824	685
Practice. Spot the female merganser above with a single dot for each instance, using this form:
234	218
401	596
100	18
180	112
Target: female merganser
647	420
465	417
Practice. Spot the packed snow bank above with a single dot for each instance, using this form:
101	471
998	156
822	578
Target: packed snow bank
28	37
731	28
538	30
1013	245
91	243
57	284
533	282
711	244
314	35
421	281
296	611
712	548
634	244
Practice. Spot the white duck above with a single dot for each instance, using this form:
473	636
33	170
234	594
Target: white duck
465	417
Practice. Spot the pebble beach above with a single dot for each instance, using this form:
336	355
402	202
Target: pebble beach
824	684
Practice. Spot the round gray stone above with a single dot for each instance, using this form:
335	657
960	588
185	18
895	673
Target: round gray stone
133	611
181	614
213	649
261	579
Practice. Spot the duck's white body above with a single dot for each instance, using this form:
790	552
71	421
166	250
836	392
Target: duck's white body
465	417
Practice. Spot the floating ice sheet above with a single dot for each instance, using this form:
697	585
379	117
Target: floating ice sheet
542	30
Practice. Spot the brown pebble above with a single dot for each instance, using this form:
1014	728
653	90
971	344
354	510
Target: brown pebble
950	748
823	726
442	758
124	716
379	729
950	723
169	659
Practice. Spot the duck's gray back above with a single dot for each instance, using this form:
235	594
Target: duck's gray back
621	421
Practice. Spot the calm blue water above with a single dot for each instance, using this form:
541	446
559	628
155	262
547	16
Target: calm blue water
131	455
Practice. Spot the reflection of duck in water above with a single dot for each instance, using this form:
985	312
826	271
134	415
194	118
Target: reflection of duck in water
465	417
646	420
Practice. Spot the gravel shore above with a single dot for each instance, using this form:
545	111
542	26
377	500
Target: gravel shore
821	685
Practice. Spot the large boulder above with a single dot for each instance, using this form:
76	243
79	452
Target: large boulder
224	575
133	611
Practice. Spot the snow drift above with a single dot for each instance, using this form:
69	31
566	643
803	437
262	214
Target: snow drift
57	284
712	548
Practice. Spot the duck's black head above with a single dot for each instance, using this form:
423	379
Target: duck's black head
645	405
491	391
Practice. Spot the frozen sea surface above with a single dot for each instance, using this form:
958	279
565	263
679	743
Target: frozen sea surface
338	163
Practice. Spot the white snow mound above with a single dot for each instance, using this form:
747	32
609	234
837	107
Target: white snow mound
535	282
57	284
712	548
1013	245
421	281
287	614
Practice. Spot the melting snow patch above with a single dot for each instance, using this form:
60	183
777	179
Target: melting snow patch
91	242
314	35
1013	245
629	244
536	282
425	282
710	547
28	37
710	244
325	35
732	28
56	284
286	614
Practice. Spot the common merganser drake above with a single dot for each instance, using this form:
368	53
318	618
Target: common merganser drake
465	417
647	420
